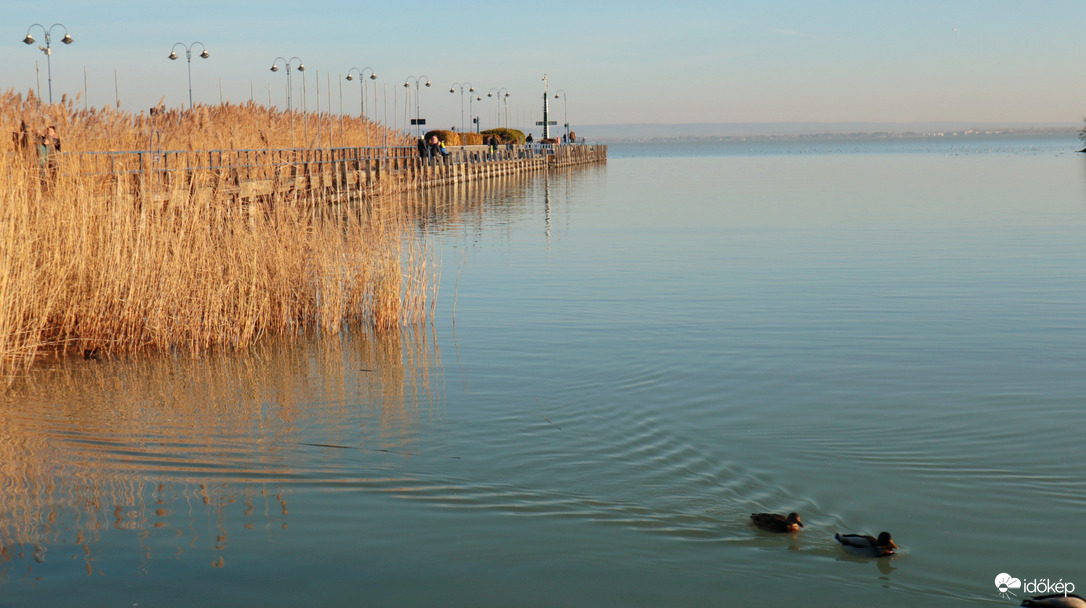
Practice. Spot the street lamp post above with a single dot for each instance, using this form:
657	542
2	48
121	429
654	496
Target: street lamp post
290	106
407	85
471	89
565	115
500	97
362	87
48	49
188	57
474	118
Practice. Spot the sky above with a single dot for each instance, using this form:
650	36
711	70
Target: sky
610	61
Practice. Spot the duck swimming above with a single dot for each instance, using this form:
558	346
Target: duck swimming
867	546
1055	600
777	523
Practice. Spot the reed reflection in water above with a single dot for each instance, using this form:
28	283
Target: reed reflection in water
184	453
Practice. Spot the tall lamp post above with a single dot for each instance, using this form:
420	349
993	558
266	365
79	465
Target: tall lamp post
288	63
188	57
565	115
362	86
48	49
471	89
407	85
500	97
475	119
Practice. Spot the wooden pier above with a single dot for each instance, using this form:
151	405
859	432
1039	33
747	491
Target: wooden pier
315	175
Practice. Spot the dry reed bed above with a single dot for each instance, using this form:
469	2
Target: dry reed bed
221	127
86	267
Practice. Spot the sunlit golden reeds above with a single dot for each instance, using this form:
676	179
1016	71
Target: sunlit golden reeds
220	127
89	265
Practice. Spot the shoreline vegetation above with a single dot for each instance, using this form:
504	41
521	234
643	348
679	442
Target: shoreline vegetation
90	269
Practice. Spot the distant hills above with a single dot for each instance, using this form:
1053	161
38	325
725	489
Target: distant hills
772	130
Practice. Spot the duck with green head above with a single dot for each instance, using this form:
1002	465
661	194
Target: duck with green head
863	545
1055	600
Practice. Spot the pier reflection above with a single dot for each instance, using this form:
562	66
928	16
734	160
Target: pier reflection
184	452
501	201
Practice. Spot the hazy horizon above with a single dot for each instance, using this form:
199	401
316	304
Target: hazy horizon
710	131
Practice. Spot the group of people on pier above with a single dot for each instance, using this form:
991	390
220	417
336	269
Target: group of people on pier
432	148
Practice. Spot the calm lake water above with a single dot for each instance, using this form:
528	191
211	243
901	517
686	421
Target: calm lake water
625	361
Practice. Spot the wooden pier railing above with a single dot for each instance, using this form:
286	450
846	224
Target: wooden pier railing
331	174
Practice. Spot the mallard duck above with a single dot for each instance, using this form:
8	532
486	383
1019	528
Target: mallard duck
867	546
777	523
1055	600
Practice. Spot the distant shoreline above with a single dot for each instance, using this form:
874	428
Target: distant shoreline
731	132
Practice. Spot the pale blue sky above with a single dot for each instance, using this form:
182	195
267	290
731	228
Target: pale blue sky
627	61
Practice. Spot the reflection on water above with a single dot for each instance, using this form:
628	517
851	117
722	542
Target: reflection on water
183	453
502	202
178	447
643	355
